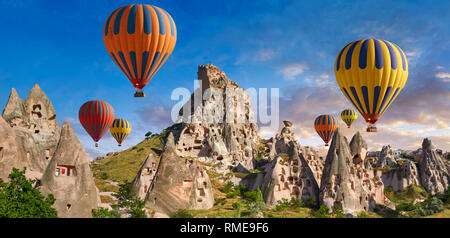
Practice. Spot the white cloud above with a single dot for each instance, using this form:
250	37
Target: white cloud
444	76
293	70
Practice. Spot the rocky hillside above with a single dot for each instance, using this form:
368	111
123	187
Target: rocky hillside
212	164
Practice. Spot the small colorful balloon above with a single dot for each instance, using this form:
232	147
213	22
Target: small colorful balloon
96	117
325	126
349	116
120	129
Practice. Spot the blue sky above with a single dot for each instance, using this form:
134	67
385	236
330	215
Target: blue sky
291	45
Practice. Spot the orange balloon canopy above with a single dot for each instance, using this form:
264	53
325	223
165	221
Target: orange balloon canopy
140	38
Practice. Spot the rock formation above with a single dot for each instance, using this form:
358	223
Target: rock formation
358	146
10	154
401	177
289	175
179	183
345	181
37	132
434	175
69	178
386	158
144	178
220	124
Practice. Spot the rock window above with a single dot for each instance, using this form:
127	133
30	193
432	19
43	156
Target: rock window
201	192
1	152
145	188
69	206
65	170
219	157
286	185
205	184
47	154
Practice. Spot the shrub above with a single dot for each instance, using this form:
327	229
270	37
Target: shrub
339	213
237	206
181	213
430	206
19	199
363	215
104	213
295	202
405	206
127	200
445	197
311	202
228	187
322	212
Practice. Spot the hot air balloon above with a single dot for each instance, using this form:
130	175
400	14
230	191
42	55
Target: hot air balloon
120	129
96	118
348	116
325	126
371	73
139	38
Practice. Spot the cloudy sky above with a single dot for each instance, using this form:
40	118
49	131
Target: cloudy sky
290	45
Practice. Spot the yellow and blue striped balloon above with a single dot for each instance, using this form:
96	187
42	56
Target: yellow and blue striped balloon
371	73
348	116
120	129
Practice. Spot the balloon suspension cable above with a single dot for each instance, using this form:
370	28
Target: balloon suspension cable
96	144
139	94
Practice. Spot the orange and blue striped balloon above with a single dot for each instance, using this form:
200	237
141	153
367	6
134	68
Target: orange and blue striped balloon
96	117
139	38
325	126
371	73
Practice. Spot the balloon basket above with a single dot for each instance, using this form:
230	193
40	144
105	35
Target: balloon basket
371	129
139	94
96	145
119	145
326	144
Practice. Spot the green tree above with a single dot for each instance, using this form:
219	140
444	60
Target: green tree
126	199
19	199
105	213
237	206
148	134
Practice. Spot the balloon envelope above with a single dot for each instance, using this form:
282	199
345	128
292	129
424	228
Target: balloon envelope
139	38
96	117
371	73
325	126
120	129
348	116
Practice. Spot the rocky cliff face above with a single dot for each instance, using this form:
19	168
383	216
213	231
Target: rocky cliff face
37	132
289	174
402	177
434	175
144	178
69	178
179	183
10	154
358	146
346	182
221	125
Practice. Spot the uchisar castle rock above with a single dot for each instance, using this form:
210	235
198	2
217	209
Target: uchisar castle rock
214	140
